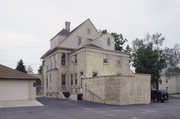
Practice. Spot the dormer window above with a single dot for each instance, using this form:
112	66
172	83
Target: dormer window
79	41
108	42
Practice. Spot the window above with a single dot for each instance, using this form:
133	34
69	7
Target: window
75	77
88	31
46	81
81	73
63	59
52	62
63	79
118	60
75	59
71	79
108	42
50	82
119	74
47	68
105	58
94	74
166	80
79	41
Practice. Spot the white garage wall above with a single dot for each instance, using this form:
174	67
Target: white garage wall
17	90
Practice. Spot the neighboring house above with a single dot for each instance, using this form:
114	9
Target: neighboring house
79	54
15	85
170	83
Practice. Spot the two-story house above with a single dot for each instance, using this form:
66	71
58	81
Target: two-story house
80	53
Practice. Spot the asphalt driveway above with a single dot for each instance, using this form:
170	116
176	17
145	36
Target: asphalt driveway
67	109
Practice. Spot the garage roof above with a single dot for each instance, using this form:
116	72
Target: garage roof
8	73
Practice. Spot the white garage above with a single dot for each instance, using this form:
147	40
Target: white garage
15	85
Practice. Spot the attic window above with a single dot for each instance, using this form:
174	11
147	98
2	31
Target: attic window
79	41
108	42
89	31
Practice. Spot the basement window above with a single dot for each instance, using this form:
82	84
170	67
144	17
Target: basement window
94	74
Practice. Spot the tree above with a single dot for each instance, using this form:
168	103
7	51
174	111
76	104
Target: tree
148	57
173	60
40	69
30	70
118	38
20	66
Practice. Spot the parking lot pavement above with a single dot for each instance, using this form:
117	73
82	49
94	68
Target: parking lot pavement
67	109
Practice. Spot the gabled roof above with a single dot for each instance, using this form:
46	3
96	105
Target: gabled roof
78	28
8	73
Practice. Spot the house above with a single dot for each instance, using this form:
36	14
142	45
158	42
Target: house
170	83
15	85
77	55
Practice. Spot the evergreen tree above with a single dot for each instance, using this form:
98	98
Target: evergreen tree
20	66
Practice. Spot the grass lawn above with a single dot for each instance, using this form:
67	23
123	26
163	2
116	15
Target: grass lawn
174	95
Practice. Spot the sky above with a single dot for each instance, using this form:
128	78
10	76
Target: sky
26	26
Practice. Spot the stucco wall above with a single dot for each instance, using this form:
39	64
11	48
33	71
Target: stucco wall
94	63
170	83
120	90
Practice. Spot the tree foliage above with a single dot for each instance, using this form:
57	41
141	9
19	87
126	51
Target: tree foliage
173	60
30	70
148	57
20	66
40	69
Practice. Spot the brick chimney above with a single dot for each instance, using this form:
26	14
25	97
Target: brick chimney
67	25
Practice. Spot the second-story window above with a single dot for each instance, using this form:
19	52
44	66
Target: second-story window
75	59
63	59
108	41
79	41
118	60
105	58
63	79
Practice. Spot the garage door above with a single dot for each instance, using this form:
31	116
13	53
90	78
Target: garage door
14	90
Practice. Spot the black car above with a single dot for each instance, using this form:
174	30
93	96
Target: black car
159	95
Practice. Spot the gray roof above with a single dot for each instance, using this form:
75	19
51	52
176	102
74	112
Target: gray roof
64	32
92	45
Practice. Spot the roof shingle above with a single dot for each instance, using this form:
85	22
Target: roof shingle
8	73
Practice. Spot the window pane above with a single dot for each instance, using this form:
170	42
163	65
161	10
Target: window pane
75	59
105	59
71	79
75	77
63	79
63	59
108	42
79	41
94	74
118	60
